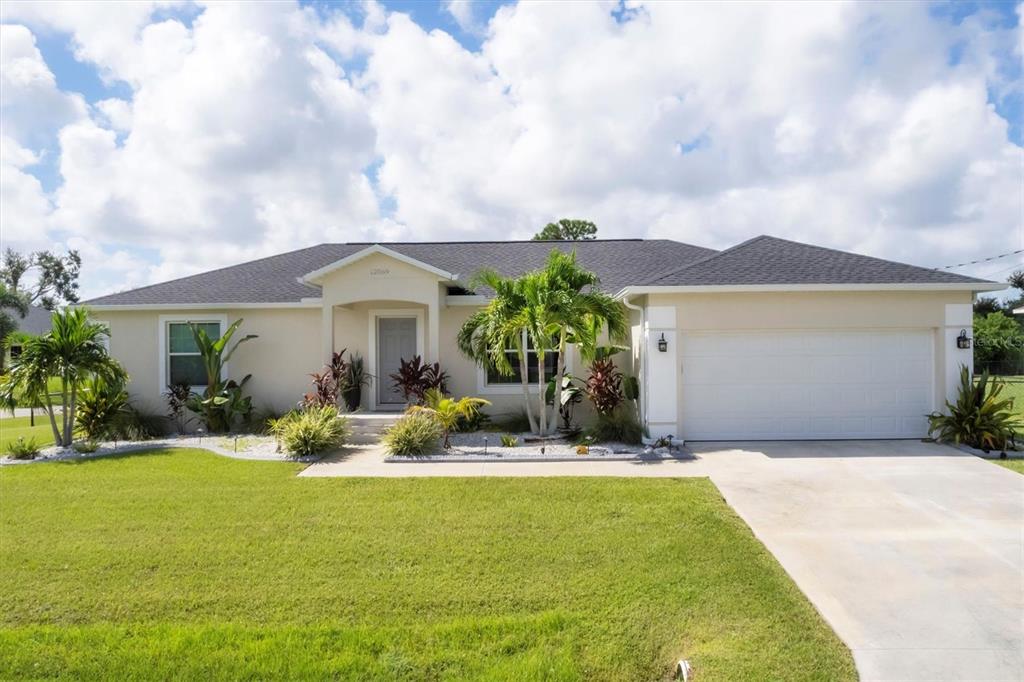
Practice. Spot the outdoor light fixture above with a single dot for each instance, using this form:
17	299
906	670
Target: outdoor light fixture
963	341
662	343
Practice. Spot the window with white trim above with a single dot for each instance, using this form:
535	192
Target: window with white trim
495	378
184	362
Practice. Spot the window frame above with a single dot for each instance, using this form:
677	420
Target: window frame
163	344
484	387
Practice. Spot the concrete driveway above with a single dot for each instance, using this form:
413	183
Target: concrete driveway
913	552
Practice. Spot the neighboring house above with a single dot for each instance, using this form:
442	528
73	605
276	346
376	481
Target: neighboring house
768	339
36	322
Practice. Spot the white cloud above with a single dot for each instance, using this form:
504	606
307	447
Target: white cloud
464	15
250	131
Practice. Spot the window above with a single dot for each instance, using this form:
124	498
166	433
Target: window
494	378
184	363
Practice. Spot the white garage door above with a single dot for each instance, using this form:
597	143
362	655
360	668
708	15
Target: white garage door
804	385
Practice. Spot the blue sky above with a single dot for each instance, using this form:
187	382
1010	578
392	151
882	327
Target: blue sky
873	138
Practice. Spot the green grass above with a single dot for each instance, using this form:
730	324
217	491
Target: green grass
1014	389
1012	464
181	564
12	428
52	386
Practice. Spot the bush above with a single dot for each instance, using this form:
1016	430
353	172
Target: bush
131	423
86	447
23	449
508	441
415	377
619	426
979	418
604	386
100	404
414	434
311	431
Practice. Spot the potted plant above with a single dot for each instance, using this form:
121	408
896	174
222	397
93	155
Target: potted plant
354	379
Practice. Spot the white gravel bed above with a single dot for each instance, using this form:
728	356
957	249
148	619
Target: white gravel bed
250	448
470	447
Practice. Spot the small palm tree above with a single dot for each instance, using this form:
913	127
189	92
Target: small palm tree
73	351
448	411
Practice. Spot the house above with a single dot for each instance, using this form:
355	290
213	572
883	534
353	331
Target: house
35	323
769	339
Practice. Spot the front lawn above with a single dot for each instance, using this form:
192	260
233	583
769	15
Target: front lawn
12	428
181	564
1012	464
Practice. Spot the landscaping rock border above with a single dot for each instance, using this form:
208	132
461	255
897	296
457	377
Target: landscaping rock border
263	452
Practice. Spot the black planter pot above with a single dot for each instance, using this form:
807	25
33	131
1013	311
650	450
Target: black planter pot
352	397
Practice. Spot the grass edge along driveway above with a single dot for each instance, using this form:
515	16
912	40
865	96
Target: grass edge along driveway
181	564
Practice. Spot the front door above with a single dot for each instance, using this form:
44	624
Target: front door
396	341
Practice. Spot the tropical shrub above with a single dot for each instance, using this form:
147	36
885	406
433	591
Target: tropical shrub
310	431
222	403
132	423
447	411
475	422
571	396
618	426
325	390
978	418
86	447
604	386
177	402
415	377
414	434
23	449
100	403
508	441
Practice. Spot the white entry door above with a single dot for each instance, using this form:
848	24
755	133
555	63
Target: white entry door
790	385
396	341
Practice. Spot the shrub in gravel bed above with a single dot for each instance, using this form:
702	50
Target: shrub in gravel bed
310	431
23	449
417	433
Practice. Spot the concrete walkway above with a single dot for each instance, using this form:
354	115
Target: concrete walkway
913	552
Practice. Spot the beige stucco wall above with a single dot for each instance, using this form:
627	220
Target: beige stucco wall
280	360
816	310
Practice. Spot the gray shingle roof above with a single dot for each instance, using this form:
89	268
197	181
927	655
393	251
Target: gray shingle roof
618	262
36	322
770	260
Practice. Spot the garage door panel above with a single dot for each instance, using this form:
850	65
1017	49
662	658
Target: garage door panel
818	384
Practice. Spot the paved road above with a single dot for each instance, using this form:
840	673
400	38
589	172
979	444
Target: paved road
913	552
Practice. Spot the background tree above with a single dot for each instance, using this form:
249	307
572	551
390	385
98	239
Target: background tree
11	303
567	229
56	280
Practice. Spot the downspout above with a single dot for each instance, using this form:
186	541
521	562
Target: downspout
643	355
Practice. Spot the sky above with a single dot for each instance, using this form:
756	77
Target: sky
162	139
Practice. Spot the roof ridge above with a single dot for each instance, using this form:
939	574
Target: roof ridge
661	275
831	249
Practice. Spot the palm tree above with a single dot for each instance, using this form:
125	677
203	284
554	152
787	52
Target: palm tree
578	311
448	411
554	306
73	351
488	333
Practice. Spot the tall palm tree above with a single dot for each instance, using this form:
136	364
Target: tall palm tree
73	351
488	333
579	311
554	306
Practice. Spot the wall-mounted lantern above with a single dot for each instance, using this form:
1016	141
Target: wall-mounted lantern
662	343
963	341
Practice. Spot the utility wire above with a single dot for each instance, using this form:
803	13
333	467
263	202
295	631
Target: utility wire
981	260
